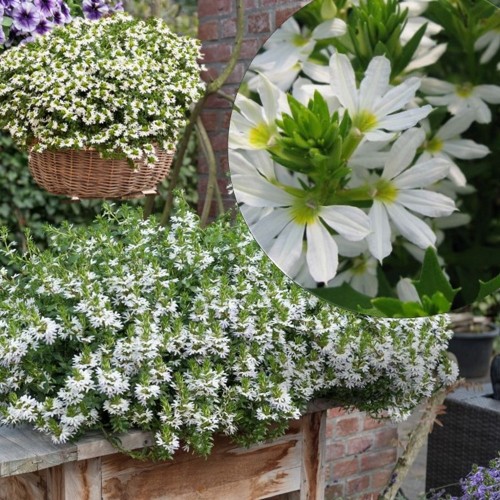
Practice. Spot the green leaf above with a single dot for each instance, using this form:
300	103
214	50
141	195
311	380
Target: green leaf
488	287
343	296
395	308
7	22
432	278
408	51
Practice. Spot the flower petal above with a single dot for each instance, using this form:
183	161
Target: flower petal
397	97
350	222
330	28
267	229
434	86
259	192
405	119
430	57
426	202
488	93
411	227
465	149
455	126
375	83
322	253
402	152
287	247
423	174
379	240
343	82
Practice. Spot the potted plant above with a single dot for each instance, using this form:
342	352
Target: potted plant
474	334
100	104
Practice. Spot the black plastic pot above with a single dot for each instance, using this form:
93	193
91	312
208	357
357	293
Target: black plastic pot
473	351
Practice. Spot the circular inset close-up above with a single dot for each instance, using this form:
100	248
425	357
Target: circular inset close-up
362	152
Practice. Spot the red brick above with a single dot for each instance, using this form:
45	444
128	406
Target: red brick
216	53
214	7
344	468
259	23
378	459
369	496
225	119
346	426
334	492
216	102
250	4
380	479
208	30
237	75
249	49
209	119
283	14
335	451
210	74
219	141
336	412
371	423
228	28
359	445
357	485
386	437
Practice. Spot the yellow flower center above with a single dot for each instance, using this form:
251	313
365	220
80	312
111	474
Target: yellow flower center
464	90
359	266
385	191
434	145
305	211
365	121
299	40
261	135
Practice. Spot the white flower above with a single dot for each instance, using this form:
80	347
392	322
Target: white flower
360	271
399	189
447	144
253	126
489	41
373	106
296	215
287	52
462	99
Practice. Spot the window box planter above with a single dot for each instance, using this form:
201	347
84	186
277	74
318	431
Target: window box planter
32	467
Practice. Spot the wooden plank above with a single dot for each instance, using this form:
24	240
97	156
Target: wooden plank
82	480
23	450
96	445
55	483
313	456
30	486
264	470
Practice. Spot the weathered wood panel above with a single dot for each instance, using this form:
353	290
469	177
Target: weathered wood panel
229	472
82	480
313	456
30	486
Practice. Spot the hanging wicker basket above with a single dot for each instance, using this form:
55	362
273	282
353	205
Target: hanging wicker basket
84	174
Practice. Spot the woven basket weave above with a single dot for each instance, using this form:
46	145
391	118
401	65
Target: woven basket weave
84	174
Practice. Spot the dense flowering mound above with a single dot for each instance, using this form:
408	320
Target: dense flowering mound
116	85
189	332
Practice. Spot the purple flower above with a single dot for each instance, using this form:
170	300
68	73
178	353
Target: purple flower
62	14
94	9
44	27
26	17
2	34
46	7
118	7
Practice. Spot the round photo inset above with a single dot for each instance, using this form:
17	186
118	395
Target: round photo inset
362	152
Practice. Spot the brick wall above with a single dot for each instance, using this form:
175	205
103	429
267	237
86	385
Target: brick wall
217	29
360	451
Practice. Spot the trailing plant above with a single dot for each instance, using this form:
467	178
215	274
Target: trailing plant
189	332
140	80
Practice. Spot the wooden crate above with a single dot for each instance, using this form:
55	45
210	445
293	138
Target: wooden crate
33	468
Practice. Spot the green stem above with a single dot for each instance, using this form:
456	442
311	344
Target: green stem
351	143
